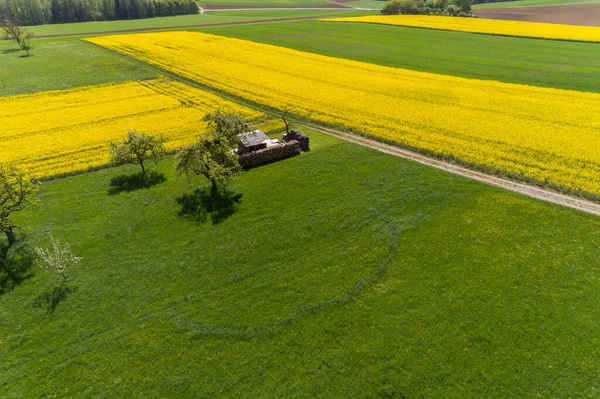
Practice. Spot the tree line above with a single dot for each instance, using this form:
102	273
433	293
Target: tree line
37	12
453	8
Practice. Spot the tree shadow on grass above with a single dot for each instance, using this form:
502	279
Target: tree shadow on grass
15	265
200	206
53	296
10	50
138	181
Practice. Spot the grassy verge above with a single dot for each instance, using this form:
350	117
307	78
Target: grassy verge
370	4
515	60
412	283
57	65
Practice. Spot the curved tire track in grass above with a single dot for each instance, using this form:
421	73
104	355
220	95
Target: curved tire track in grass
393	229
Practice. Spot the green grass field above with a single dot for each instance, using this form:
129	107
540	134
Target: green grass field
369	4
516	60
88	28
60	64
343	272
534	3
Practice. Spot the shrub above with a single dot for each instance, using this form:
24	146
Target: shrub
392	7
452	10
439	4
463	5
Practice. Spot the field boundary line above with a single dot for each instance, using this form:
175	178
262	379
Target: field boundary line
208	10
165	28
496	181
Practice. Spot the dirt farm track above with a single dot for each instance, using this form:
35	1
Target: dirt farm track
584	14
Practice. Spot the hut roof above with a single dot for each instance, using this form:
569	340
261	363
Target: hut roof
256	137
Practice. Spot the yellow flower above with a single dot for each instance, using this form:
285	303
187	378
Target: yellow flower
487	26
58	132
549	135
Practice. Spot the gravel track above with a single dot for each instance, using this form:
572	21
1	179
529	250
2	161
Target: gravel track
507	184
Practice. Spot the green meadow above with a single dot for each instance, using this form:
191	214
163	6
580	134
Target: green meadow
342	272
339	273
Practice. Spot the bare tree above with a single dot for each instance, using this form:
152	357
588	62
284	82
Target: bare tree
285	116
12	31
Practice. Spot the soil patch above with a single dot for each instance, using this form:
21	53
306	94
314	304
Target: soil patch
581	14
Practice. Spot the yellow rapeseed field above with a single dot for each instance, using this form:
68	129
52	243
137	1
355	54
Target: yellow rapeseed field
59	132
549	135
487	26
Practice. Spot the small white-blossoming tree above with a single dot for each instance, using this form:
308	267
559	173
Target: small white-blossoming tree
58	258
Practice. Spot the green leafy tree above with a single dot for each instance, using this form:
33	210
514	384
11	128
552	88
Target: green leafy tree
137	149
210	157
16	193
226	124
463	5
12	31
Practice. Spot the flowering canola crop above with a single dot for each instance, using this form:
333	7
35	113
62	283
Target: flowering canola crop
487	26
549	135
57	132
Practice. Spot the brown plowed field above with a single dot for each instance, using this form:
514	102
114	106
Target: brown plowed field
584	14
